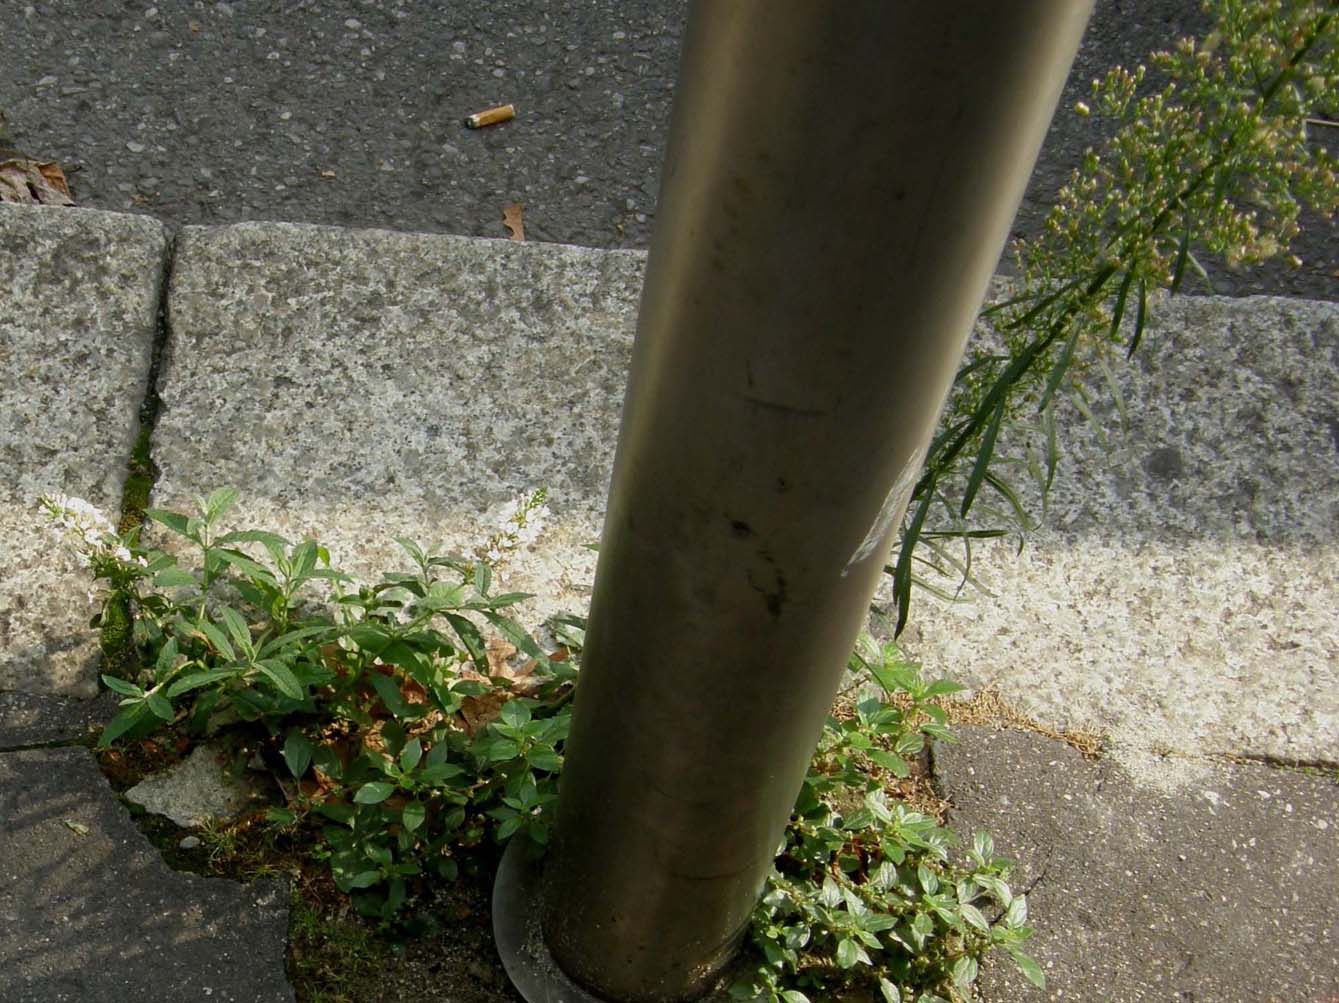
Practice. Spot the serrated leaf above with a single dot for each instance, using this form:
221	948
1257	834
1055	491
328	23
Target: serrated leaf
282	677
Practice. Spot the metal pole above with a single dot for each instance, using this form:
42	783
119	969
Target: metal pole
840	180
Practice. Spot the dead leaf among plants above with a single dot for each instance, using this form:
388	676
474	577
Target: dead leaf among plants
32	182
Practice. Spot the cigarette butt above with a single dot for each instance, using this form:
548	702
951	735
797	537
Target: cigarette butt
491	116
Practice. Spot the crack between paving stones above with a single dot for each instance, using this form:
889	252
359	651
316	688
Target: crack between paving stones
143	471
84	742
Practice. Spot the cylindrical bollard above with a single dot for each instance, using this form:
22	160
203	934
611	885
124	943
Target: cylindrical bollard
840	180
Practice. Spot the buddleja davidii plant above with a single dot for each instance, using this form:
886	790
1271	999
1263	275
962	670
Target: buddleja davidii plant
865	894
1217	161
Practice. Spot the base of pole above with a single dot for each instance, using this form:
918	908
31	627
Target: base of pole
517	900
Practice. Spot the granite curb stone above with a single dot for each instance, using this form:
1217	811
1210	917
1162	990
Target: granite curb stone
362	385
89	911
1224	893
81	291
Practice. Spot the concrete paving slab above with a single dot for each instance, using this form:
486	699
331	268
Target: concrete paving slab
34	719
88	910
362	385
78	314
1182	597
1224	893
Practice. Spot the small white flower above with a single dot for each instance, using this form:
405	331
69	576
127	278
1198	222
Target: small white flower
122	554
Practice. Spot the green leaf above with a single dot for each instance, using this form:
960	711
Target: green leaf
544	758
849	953
927	879
237	628
389	691
195	680
218	503
891	762
411	754
282	677
471	638
1029	967
174	521
272	541
160	706
983	457
122	687
1182	255
500	750
889	991
964	971
902	573
515	713
130	717
215	638
1138	320
174	578
280	816
297	753
364	879
973	916
251	569
794	996
373	793
413	815
1016	913
483	577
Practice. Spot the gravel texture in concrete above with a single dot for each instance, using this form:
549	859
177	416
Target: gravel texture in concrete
1181	596
1225	892
363	385
89	911
78	315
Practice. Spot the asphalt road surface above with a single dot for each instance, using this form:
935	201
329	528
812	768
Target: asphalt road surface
350	113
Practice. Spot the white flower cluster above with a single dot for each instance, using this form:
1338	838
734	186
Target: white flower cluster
86	529
520	521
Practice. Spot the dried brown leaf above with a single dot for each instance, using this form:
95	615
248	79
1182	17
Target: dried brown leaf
29	182
511	218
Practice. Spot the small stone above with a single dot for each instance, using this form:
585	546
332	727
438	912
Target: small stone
135	147
189	843
353	24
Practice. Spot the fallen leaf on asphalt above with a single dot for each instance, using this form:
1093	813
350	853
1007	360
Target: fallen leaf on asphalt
78	828
29	182
511	217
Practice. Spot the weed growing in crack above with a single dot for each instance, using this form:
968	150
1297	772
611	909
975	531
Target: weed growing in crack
413	727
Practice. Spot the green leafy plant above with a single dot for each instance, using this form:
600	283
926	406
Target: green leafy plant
865	894
406	734
411	724
1217	161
